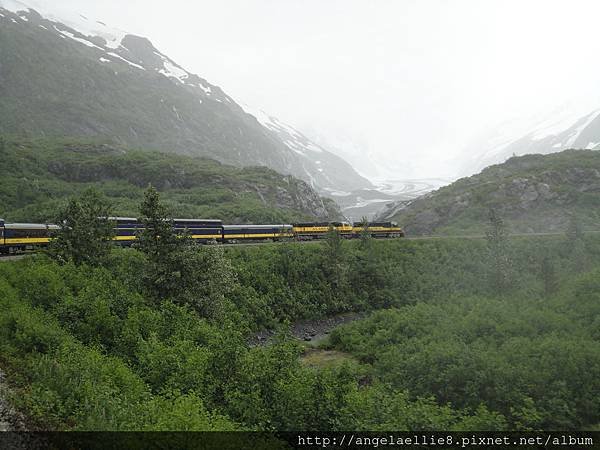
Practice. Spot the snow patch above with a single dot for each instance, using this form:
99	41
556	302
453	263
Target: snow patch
206	89
555	124
582	127
77	22
171	70
314	148
14	6
125	60
337	193
75	38
591	145
104	60
295	140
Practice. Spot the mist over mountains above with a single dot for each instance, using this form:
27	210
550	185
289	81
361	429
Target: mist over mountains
73	76
562	128
78	77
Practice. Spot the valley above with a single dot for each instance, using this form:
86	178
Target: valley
371	202
151	278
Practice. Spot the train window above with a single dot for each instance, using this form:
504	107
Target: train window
27	232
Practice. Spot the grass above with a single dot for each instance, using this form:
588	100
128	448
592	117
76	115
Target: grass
325	359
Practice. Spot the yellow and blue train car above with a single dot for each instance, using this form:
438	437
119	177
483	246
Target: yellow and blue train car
24	236
235	233
204	230
318	230
378	229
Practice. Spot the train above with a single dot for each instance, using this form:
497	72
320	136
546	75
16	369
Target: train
24	236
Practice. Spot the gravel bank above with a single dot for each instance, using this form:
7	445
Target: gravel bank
310	331
10	420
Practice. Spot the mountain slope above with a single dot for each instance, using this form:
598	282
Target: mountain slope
332	172
82	78
561	129
533	193
36	175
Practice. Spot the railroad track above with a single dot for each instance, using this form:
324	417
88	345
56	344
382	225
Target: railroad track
14	257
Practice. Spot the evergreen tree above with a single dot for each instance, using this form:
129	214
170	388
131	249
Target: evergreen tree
365	236
368	274
163	248
85	230
576	242
574	229
177	268
549	276
335	261
157	238
497	242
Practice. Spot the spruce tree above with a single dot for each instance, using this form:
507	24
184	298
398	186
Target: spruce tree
576	242
177	269
335	261
85	230
157	238
158	241
574	229
365	236
549	276
497	243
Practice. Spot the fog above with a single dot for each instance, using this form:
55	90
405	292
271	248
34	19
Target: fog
408	81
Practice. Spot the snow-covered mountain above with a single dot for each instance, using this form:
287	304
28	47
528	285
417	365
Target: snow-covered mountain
566	127
65	74
350	146
332	172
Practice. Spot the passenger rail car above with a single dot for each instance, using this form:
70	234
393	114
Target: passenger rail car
378	229
204	230
319	230
234	233
23	236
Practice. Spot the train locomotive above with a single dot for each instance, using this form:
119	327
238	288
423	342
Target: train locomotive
24	236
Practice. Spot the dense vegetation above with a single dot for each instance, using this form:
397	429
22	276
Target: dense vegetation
106	344
37	175
534	193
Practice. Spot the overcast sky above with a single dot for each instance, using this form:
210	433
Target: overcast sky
412	80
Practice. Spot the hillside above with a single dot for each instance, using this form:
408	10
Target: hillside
81	78
533	193
38	174
561	129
